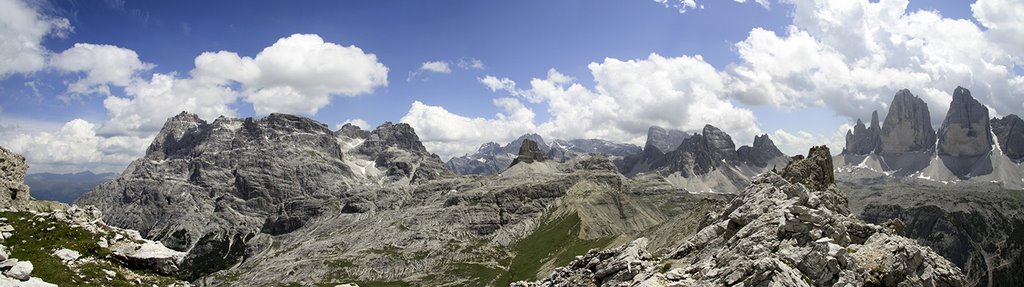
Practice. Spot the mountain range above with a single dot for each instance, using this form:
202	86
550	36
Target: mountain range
285	200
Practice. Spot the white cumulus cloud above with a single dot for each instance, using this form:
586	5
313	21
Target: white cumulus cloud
448	134
852	57
76	147
297	74
22	30
436	67
102	65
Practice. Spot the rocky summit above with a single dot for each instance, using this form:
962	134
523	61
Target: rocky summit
966	131
786	229
864	140
907	127
529	152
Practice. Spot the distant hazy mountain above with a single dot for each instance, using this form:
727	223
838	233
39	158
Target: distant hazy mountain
491	158
64	187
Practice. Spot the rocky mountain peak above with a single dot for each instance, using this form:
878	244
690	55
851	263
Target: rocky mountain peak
907	127
295	124
529	152
814	171
863	140
966	130
514	146
352	131
664	140
12	179
399	135
762	151
1010	133
172	133
719	143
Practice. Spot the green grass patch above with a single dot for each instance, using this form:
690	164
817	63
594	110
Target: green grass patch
35	241
555	241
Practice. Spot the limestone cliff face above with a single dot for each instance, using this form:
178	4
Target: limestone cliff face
864	140
907	127
13	191
1010	133
966	130
216	190
529	152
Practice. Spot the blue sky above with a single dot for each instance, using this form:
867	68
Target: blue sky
517	40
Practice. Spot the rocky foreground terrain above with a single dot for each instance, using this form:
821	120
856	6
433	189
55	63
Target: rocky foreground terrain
51	244
788	228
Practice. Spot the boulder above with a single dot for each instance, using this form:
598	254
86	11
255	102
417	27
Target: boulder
966	131
21	271
907	127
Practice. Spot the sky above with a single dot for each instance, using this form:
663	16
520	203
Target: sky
86	85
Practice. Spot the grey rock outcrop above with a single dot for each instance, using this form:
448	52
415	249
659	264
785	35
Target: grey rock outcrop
1009	132
216	190
778	232
966	131
529	152
907	127
864	140
12	179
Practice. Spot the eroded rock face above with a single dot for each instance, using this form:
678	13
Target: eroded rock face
1010	133
864	140
529	152
966	130
13	191
907	127
780	231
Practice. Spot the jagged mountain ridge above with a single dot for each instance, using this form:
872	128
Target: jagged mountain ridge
706	162
217	189
492	158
